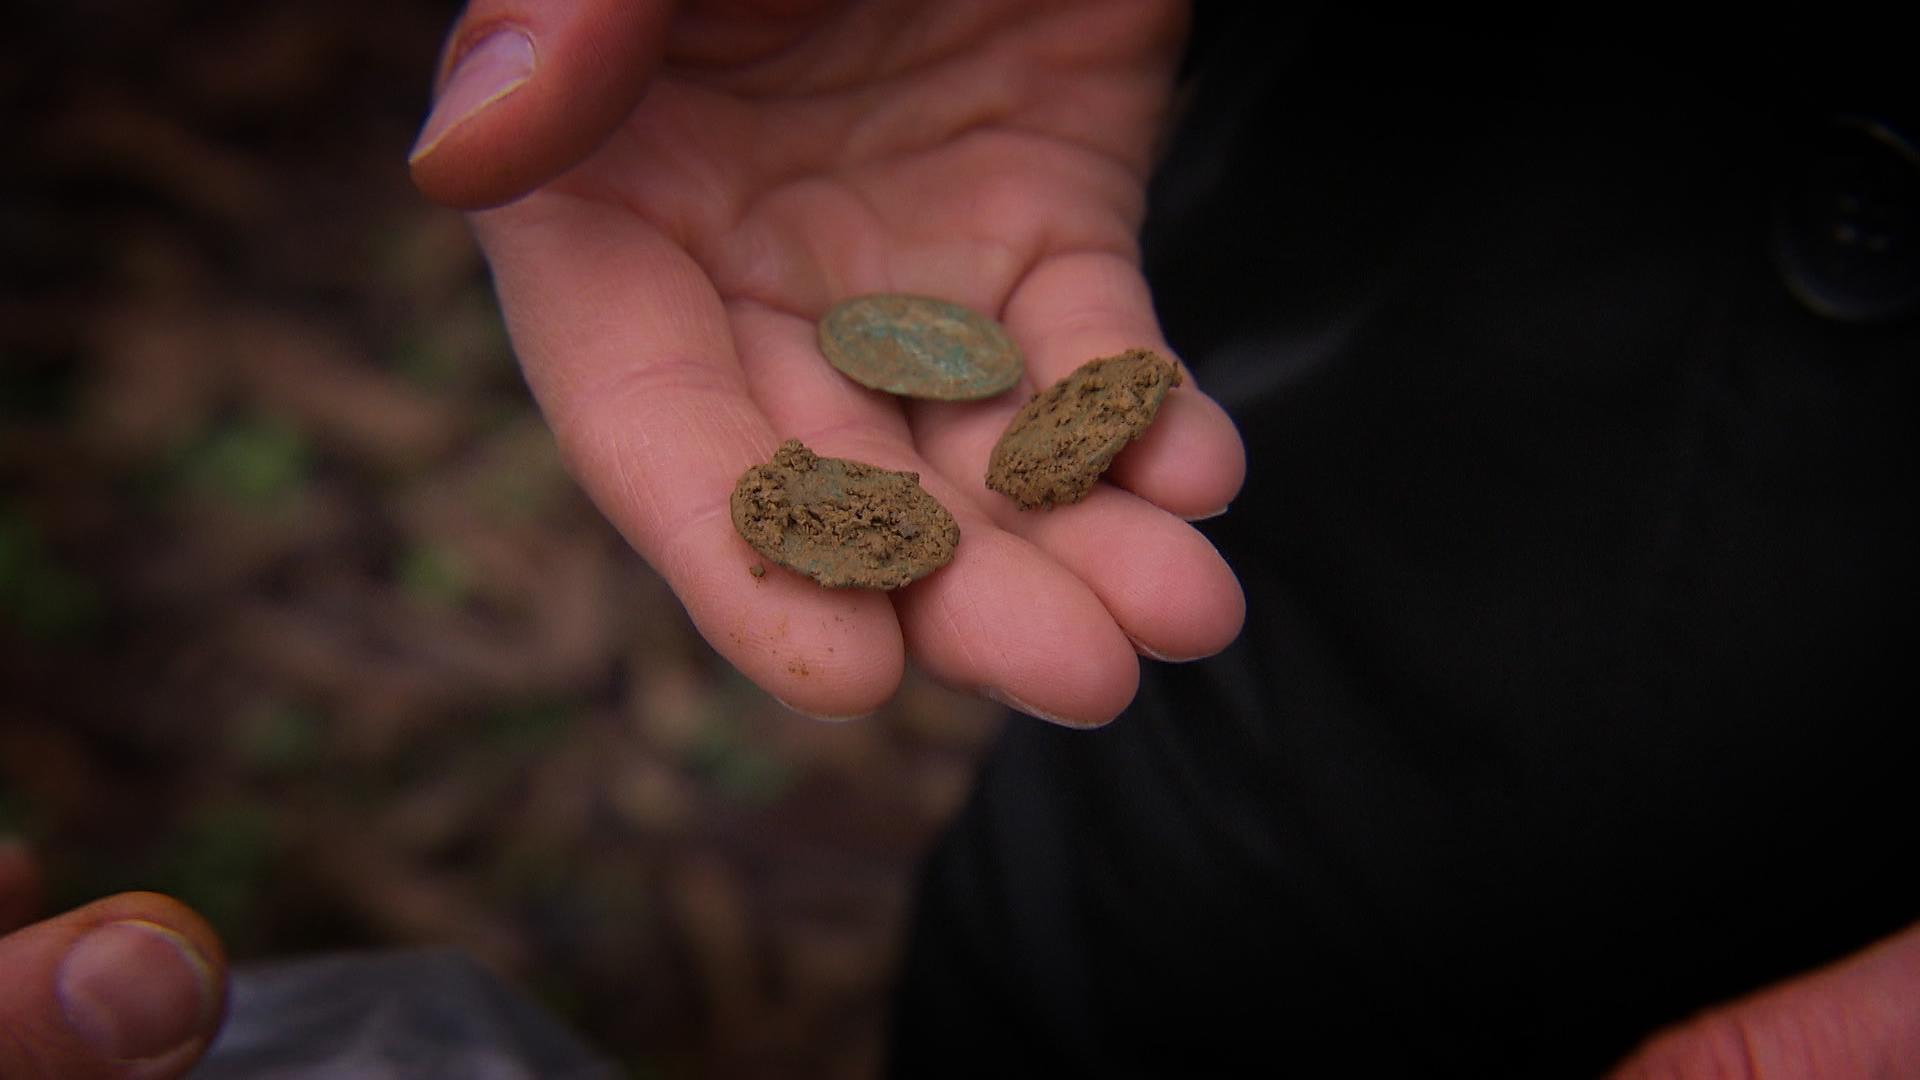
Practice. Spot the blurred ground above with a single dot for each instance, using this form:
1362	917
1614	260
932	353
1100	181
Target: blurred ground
301	620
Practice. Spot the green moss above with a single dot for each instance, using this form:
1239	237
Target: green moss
39	596
434	574
276	737
253	461
727	759
528	726
218	861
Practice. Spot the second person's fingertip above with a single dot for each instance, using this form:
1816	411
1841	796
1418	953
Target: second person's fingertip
487	72
136	990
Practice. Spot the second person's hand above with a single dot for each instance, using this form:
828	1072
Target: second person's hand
705	182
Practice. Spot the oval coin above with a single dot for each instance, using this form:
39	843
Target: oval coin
1062	441
845	524
917	346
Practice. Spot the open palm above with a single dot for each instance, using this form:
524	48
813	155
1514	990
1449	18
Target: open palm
662	296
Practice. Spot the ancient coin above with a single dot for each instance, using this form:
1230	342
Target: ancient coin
916	346
843	523
1064	439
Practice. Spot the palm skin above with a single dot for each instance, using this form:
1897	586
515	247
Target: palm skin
662	296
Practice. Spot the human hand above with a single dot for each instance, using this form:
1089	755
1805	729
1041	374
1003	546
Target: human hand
662	281
130	986
1857	1018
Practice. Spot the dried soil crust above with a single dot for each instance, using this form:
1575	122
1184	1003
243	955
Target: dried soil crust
1063	440
842	523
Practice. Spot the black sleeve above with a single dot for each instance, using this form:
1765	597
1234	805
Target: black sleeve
1577	375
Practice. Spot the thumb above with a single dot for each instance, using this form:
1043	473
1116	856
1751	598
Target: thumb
129	986
527	88
1859	1017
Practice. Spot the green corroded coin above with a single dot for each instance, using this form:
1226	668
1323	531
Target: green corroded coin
916	346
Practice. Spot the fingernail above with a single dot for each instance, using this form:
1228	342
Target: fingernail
135	989
1154	654
1211	514
500	64
1017	705
823	717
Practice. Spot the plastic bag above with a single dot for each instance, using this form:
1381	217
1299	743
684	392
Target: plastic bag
368	1016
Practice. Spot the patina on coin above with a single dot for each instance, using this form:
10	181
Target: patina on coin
843	523
917	346
1063	440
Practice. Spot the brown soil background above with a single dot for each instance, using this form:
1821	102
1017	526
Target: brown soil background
300	619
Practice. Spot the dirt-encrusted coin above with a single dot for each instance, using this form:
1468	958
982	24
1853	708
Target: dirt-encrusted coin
917	346
843	523
1063	440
